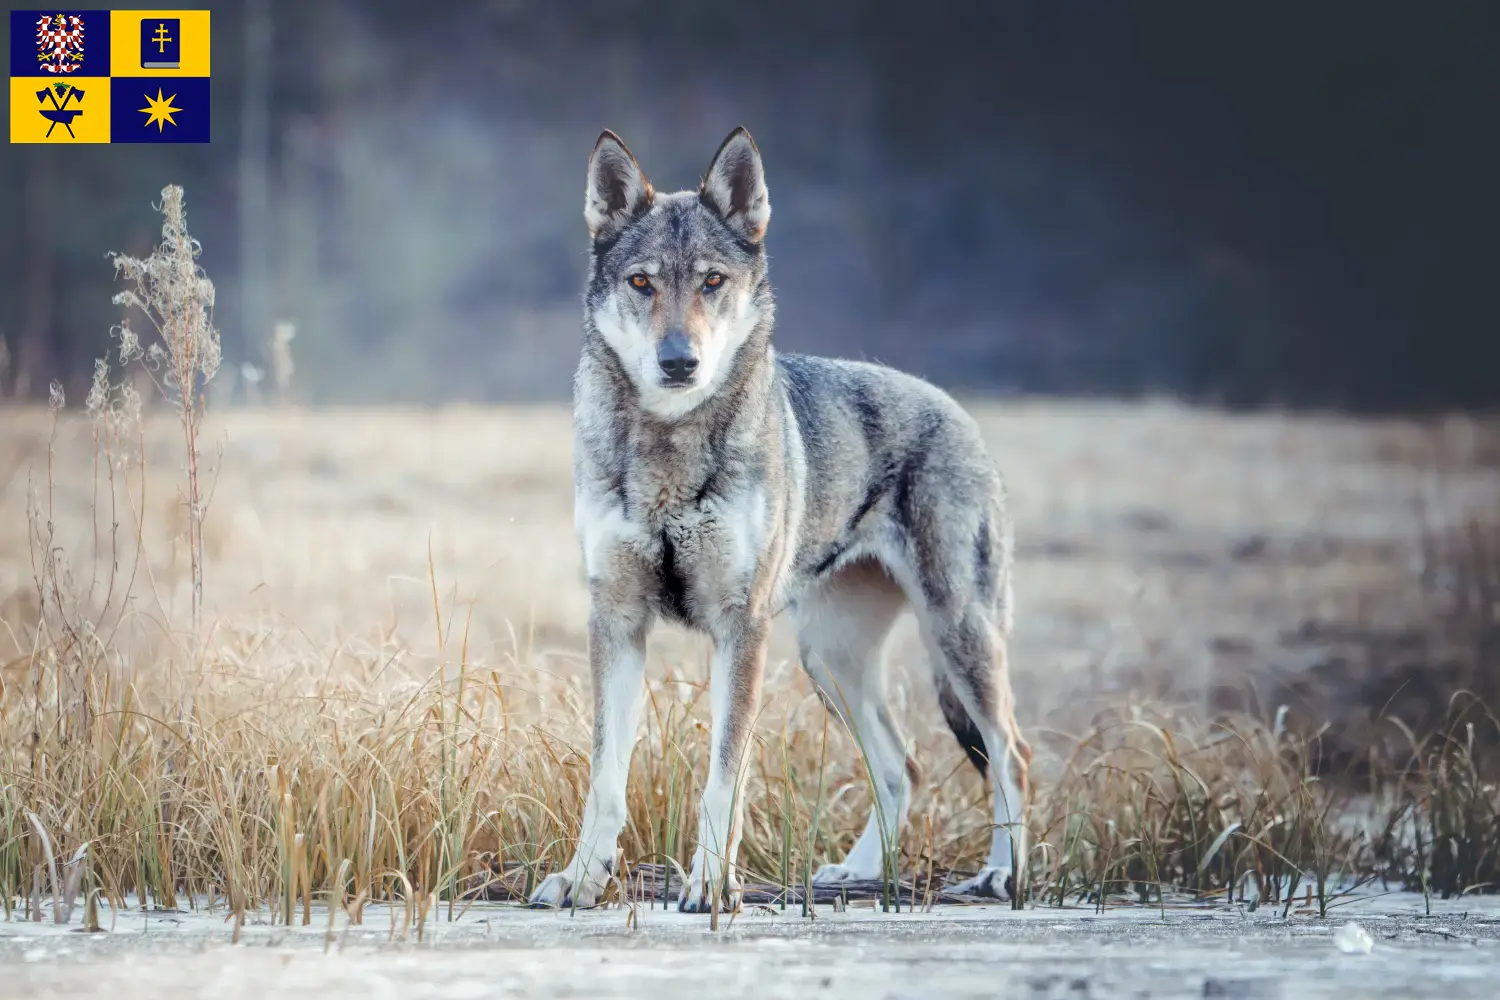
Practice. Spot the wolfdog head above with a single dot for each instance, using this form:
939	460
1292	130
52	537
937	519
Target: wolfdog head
678	281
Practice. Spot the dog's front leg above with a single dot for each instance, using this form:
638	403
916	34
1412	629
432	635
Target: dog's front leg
617	658
735	673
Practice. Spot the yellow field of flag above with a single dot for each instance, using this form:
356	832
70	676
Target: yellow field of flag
158	43
77	110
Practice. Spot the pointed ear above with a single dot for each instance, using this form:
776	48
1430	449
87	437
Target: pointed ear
617	190
735	186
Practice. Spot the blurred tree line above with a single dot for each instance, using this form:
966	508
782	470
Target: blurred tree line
1284	205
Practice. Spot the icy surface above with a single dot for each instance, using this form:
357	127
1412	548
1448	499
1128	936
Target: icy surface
969	951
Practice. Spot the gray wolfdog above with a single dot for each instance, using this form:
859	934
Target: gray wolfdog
717	483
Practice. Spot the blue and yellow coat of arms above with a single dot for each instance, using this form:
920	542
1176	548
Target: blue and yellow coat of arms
110	76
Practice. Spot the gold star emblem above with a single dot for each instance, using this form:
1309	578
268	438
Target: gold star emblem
160	110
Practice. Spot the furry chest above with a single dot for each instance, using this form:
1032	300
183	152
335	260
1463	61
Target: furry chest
705	561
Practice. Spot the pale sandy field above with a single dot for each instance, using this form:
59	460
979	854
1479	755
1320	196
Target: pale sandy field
1161	548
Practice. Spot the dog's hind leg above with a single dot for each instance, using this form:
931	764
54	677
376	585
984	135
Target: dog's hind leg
968	646
841	627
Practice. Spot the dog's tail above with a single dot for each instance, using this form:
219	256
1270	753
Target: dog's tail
967	733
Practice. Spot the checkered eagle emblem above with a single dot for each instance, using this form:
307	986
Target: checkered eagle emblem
59	42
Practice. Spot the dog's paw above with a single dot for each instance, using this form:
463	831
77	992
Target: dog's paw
708	877
698	896
993	883
568	888
833	874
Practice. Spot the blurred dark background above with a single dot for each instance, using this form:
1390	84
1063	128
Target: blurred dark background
1270	204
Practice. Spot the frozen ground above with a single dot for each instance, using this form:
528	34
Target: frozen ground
955	952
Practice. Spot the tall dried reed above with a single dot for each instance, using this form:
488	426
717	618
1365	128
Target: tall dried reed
177	299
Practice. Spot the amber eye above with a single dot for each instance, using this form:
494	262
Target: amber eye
714	280
640	282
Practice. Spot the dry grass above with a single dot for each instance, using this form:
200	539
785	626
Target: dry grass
266	766
384	697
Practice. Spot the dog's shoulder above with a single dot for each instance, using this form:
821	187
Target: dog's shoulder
835	396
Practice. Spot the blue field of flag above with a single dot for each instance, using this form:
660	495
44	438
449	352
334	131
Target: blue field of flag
59	45
159	109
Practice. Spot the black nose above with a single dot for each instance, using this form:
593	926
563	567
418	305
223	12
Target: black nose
675	355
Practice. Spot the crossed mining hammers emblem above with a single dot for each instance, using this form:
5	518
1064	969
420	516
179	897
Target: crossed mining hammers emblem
60	113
